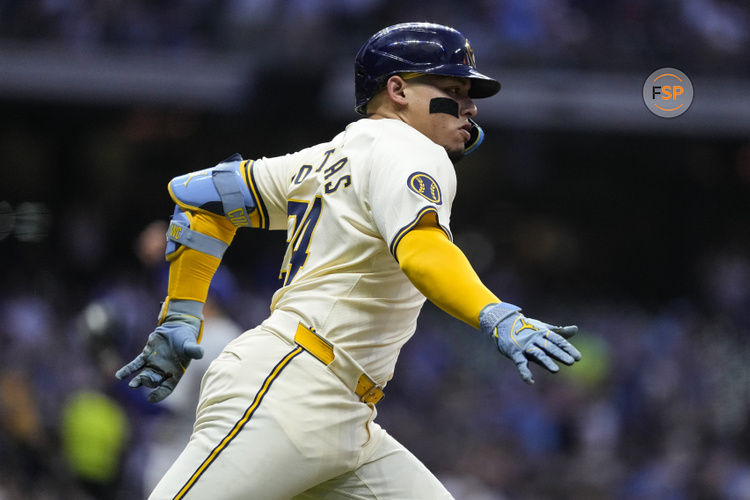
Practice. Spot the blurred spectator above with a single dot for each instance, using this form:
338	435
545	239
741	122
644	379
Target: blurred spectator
94	431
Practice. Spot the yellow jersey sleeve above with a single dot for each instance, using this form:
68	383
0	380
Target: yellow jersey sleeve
441	271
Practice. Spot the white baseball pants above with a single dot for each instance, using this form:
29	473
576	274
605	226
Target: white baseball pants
274	422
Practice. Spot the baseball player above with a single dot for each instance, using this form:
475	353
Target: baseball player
287	409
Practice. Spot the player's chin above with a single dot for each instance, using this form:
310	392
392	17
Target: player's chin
455	154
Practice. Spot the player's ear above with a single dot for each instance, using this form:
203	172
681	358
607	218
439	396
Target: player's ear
395	87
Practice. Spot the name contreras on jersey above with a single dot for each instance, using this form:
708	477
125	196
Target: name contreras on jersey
303	215
328	172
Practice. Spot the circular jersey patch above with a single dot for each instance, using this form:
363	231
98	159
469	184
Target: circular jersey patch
425	186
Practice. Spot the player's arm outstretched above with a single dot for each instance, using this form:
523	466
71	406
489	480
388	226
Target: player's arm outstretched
210	205
441	271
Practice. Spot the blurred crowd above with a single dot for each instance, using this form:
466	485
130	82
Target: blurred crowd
658	408
700	36
641	241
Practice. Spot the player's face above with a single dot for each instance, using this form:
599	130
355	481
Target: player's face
442	128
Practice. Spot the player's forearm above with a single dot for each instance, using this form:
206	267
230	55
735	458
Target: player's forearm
441	271
191	271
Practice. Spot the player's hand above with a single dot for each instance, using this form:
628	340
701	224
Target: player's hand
167	353
522	339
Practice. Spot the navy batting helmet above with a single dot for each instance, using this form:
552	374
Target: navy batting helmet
427	48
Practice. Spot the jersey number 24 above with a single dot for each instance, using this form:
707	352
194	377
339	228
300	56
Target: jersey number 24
304	226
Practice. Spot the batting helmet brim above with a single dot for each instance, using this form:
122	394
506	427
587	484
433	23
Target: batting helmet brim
481	85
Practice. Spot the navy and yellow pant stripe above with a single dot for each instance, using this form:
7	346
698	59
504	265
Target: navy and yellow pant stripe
239	425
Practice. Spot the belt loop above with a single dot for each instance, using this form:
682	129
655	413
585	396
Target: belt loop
368	391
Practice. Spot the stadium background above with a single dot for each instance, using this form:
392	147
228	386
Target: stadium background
581	206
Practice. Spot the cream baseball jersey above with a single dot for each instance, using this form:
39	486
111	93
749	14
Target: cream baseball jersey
345	206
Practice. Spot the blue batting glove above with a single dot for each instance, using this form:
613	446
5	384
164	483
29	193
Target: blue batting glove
168	351
522	339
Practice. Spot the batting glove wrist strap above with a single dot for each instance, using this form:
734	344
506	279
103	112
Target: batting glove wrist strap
186	311
492	314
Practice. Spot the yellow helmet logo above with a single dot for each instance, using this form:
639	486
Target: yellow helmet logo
470	54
